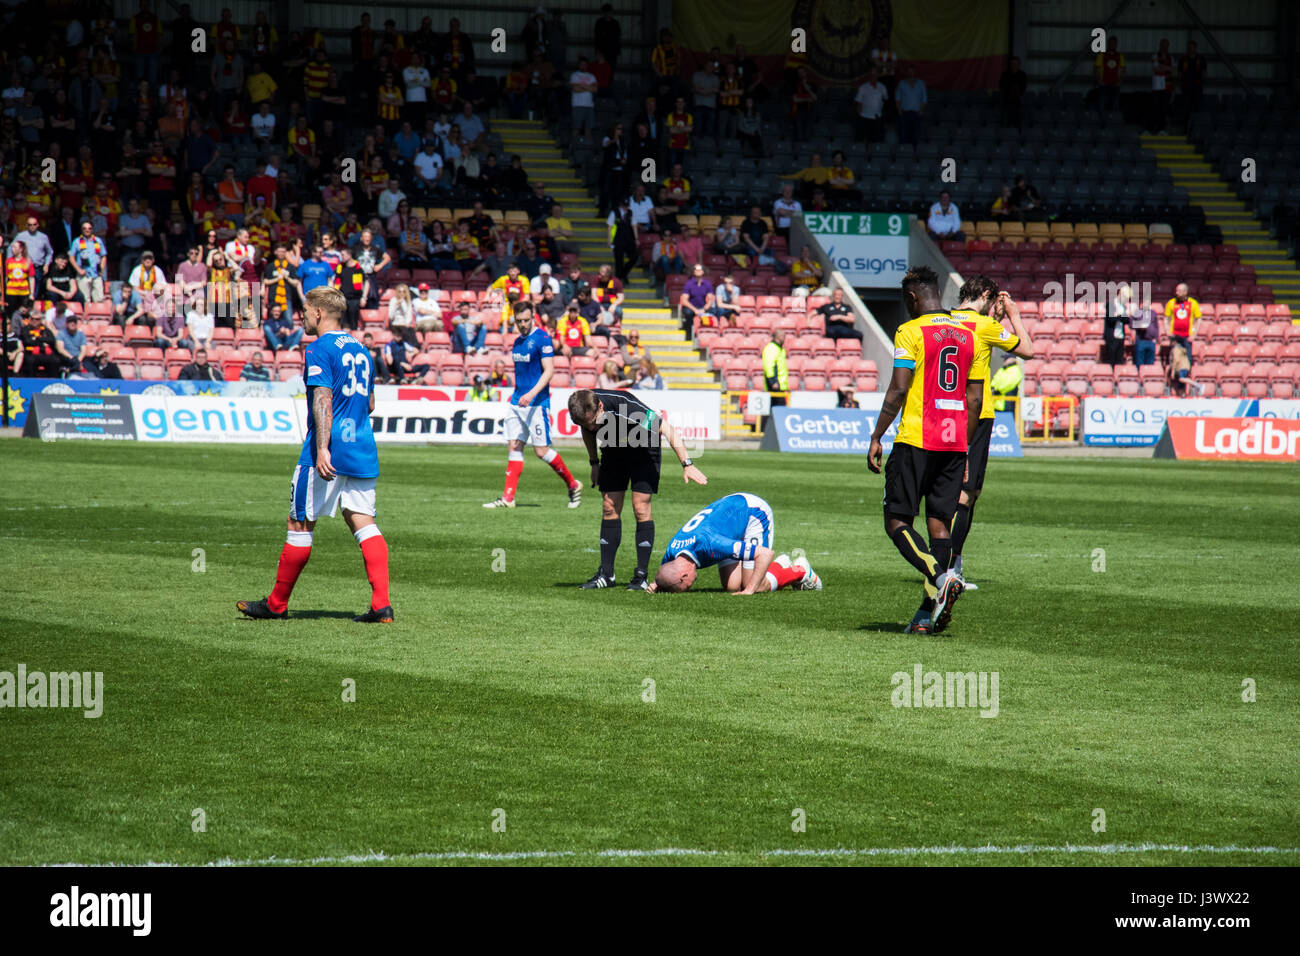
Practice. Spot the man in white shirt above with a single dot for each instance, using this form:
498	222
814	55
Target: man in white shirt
148	285
784	208
870	100
428	168
945	219
417	80
389	199
263	123
544	280
583	101
240	250
424	309
642	207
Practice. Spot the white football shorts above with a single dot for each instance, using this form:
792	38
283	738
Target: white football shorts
531	425
312	497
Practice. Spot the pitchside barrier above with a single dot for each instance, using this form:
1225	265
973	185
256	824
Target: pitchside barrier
847	431
1232	439
1141	421
414	415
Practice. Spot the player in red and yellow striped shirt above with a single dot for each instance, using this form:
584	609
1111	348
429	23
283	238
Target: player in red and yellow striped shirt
933	354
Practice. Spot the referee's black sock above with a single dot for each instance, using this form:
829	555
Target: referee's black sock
961	526
912	547
611	533
645	543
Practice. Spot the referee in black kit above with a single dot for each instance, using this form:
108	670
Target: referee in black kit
627	435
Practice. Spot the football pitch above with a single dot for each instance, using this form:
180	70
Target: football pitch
1125	609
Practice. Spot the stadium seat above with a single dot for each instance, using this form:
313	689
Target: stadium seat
1282	383
1290	354
1051	378
1102	381
561	380
1274	331
1258	379
1077	379
1232	382
138	336
151	364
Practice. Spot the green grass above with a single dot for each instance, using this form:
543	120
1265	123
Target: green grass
1119	690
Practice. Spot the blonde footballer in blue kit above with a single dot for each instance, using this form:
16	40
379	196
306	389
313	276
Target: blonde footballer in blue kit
339	463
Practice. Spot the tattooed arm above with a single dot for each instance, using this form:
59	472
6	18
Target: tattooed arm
322	406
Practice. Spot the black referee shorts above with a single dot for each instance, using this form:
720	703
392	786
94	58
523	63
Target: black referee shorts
913	473
637	467
977	459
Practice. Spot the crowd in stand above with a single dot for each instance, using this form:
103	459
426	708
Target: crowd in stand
146	185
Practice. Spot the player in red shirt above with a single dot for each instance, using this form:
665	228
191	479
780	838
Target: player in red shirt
933	354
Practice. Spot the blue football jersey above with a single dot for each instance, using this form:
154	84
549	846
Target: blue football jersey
340	363
731	529
528	352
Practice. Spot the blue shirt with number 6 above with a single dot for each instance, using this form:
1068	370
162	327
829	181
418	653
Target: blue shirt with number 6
340	363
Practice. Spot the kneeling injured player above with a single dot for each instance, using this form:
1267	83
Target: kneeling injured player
339	463
735	533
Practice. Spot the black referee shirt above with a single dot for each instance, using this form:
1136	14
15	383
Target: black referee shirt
629	422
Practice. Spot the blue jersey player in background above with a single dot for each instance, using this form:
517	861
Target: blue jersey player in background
735	533
339	464
528	421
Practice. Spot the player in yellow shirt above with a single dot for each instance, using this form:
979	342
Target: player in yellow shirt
933	354
977	298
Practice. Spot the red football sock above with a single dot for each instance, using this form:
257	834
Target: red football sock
514	468
374	549
293	558
779	577
552	458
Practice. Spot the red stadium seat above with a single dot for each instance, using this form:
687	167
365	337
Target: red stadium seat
1102	380
1278	310
1274	331
1213	351
151	364
1242	352
1268	352
1282	382
1290	354
848	348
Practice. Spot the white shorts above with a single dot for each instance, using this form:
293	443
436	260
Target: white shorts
312	497
760	530
531	425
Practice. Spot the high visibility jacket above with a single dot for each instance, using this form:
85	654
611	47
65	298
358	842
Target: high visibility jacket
774	366
1006	381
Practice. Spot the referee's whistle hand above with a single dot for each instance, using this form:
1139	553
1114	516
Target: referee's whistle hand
691	473
874	455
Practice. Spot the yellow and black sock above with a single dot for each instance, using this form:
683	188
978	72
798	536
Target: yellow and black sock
912	547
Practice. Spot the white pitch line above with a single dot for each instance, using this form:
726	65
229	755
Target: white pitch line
1023	850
